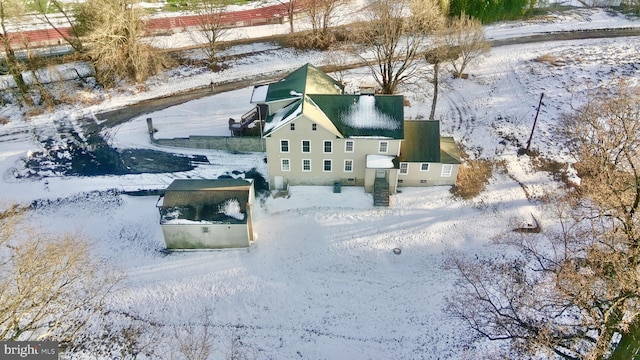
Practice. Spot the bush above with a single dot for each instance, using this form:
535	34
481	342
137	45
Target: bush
309	40
473	176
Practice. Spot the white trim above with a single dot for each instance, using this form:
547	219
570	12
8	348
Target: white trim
302	146
303	169
386	147
330	165
288	146
324	147
345	165
404	171
353	146
282	167
447	170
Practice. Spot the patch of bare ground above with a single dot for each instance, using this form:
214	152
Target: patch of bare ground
558	170
550	60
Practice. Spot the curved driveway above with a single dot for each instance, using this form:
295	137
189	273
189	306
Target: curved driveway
119	116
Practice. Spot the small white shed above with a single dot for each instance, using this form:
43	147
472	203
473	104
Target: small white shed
207	214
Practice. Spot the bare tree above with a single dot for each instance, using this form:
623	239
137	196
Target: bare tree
237	350
466	36
392	40
114	30
13	10
290	7
436	56
195	341
320	14
50	286
50	10
211	26
571	290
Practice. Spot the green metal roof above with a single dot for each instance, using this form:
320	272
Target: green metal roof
449	153
307	79
421	141
363	115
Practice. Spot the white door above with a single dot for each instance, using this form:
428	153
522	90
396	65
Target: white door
278	182
381	174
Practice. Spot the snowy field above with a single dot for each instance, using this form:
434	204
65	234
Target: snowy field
322	281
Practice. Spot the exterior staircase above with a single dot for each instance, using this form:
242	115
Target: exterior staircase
237	128
381	192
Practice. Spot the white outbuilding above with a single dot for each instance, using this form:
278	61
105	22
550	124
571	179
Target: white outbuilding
207	214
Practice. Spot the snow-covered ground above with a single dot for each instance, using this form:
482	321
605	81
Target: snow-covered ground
322	280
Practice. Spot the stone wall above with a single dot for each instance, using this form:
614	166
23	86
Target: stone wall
227	143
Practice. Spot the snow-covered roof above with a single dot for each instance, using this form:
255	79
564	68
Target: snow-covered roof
192	201
283	116
380	162
259	94
364	115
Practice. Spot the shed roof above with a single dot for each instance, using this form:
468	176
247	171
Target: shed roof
421	141
449	153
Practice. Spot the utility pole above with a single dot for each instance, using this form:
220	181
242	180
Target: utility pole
535	120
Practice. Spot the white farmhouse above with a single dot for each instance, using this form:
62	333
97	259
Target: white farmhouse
315	134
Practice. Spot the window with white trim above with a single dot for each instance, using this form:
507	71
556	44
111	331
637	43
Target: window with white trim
348	146
424	167
285	165
284	146
306	146
292	126
404	168
348	166
383	147
306	164
327	147
447	169
326	165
